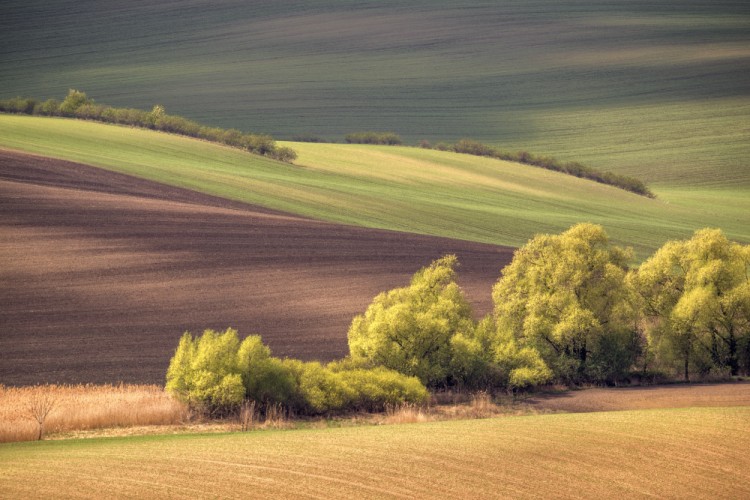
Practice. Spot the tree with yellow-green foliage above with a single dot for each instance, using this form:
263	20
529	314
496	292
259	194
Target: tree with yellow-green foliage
204	372
409	329
696	294
565	298
426	330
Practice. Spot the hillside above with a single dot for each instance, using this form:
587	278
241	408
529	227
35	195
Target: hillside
658	91
107	271
404	189
677	453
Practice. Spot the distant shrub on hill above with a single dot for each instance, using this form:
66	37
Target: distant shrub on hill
384	138
476	148
78	105
308	138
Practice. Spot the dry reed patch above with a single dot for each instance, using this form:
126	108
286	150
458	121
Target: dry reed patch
85	407
405	414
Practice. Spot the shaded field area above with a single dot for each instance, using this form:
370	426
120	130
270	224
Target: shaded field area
103	272
643	398
654	90
674	453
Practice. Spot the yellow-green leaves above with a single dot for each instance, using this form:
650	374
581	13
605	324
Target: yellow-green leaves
696	294
204	372
561	293
410	329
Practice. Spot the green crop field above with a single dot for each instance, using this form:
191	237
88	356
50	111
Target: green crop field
678	453
399	188
658	90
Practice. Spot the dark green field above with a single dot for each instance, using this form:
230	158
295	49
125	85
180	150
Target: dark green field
657	90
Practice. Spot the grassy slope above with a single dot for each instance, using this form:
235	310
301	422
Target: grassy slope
663	453
405	189
657	90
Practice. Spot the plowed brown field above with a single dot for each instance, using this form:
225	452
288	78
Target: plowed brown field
101	273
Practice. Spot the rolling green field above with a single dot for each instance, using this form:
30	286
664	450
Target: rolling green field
678	453
656	90
398	188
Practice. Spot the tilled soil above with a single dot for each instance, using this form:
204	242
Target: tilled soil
101	273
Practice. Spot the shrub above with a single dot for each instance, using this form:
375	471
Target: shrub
476	148
50	107
215	373
284	154
22	105
205	374
260	144
409	329
308	138
78	105
90	111
471	147
376	389
74	100
383	138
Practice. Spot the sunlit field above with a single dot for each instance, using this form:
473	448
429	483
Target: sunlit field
399	188
678	453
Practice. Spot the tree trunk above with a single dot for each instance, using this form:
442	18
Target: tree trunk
687	366
734	364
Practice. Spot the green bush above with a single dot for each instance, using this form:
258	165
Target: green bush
22	105
204	372
74	100
476	148
376	389
78	105
215	373
471	147
409	329
383	138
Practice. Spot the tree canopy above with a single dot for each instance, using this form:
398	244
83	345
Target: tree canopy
696	293
565	296
409	329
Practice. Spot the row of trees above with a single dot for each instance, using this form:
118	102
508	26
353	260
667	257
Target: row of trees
568	309
78	105
476	148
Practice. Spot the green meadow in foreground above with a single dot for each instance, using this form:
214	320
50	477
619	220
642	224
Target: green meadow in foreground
677	453
398	188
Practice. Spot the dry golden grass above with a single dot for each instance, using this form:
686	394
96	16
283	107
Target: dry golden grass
128	410
85	407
